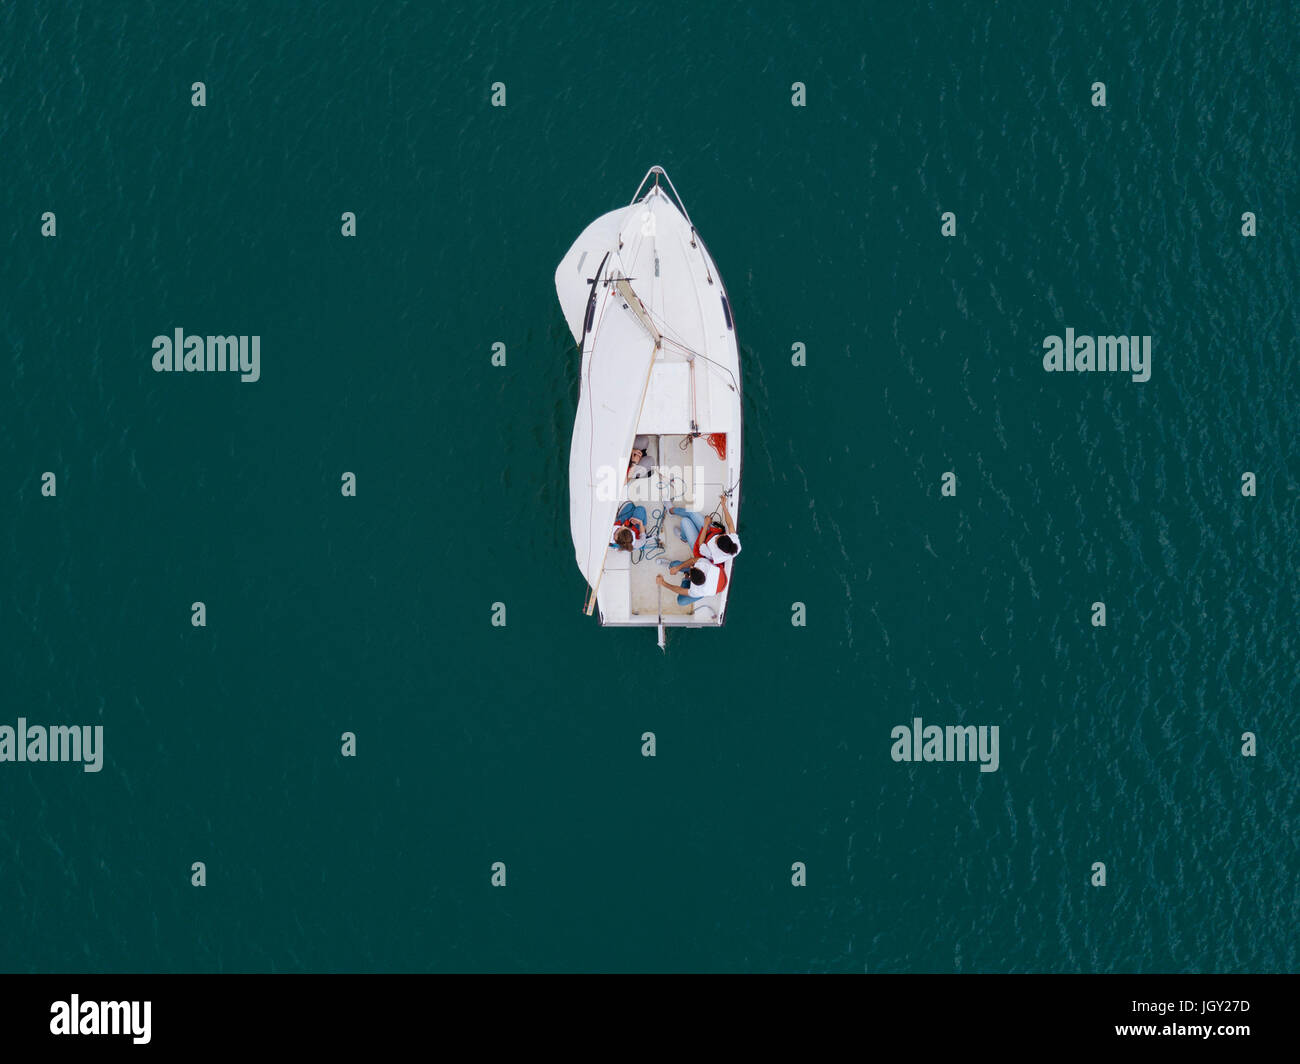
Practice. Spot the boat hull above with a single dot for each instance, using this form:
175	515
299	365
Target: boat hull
660	365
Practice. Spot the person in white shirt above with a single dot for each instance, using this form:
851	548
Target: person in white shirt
713	547
702	580
713	542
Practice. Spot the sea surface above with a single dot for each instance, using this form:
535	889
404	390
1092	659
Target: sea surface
522	744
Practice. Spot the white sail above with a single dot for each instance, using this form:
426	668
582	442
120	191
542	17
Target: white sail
574	274
614	377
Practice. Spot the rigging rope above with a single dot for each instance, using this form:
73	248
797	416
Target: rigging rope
654	535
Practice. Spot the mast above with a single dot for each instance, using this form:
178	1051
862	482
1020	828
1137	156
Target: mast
638	308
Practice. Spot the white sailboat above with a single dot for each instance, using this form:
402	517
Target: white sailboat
660	368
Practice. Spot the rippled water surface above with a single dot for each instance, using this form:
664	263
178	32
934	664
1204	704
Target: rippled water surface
522	744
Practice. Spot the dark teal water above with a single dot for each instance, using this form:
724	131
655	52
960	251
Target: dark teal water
522	744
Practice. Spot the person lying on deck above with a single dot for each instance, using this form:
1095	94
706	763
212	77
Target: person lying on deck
640	464
703	579
709	540
629	528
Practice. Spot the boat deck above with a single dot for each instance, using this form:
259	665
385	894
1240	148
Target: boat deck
689	477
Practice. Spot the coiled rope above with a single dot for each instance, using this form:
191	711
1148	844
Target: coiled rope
671	489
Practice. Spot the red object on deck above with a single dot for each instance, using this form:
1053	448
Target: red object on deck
718	441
